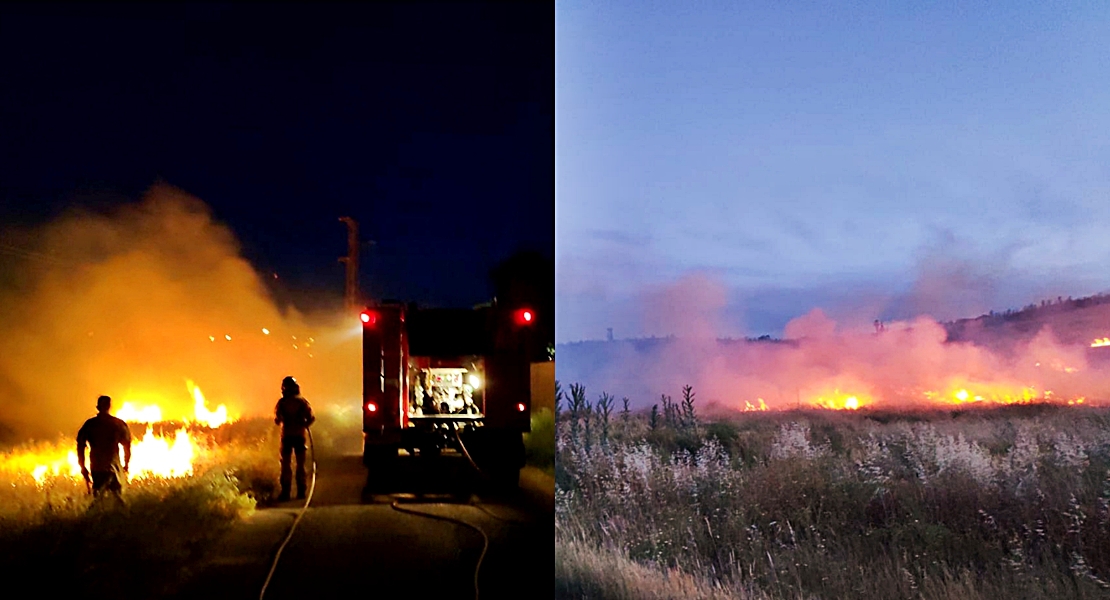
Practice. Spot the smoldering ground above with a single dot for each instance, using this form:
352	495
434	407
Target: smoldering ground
136	301
908	364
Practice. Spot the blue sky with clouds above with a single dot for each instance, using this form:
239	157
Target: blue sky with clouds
874	160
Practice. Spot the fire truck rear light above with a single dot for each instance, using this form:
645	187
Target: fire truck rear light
370	406
525	316
520	406
369	317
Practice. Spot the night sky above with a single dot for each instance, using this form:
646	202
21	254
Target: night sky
433	126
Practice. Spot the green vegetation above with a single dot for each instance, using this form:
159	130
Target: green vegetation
60	541
540	443
1001	503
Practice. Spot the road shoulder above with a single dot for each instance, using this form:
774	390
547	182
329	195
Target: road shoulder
241	560
539	488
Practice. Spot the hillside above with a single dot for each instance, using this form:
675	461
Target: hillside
632	367
1072	321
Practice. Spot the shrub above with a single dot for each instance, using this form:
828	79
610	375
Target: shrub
540	443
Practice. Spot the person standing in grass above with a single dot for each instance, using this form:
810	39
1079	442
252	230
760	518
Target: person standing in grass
104	435
294	414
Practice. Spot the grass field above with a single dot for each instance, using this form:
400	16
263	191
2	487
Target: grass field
1010	502
55	538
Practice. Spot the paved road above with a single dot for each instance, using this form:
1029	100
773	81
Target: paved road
352	543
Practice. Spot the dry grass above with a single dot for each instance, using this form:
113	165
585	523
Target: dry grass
582	571
982	504
145	548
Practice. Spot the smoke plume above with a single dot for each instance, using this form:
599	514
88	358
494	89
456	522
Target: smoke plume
137	301
904	364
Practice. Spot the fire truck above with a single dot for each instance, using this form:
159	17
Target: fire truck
437	379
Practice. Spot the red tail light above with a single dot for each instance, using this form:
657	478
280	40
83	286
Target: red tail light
369	317
371	407
520	406
525	316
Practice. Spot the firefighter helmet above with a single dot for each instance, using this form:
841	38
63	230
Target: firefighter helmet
290	385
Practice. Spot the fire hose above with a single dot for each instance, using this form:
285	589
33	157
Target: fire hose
482	474
304	509
485	539
396	505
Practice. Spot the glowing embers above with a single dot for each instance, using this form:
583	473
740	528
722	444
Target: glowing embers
841	401
1059	366
1098	343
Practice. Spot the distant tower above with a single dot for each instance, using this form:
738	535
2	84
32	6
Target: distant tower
350	297
610	334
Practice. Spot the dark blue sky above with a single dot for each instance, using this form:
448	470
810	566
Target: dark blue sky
875	160
432	125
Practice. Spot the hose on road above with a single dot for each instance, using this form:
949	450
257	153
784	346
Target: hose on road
308	498
396	505
483	475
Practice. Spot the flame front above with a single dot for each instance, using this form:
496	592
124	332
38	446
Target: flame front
954	395
840	401
749	407
134	414
212	419
156	456
151	456
991	394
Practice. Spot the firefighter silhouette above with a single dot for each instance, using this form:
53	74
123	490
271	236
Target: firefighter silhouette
294	414
104	434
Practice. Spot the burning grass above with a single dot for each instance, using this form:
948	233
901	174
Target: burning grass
960	502
145	548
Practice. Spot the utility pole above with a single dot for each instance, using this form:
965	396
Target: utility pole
351	292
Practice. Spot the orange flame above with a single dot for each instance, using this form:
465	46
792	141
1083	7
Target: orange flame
151	456
749	407
212	419
840	401
134	414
